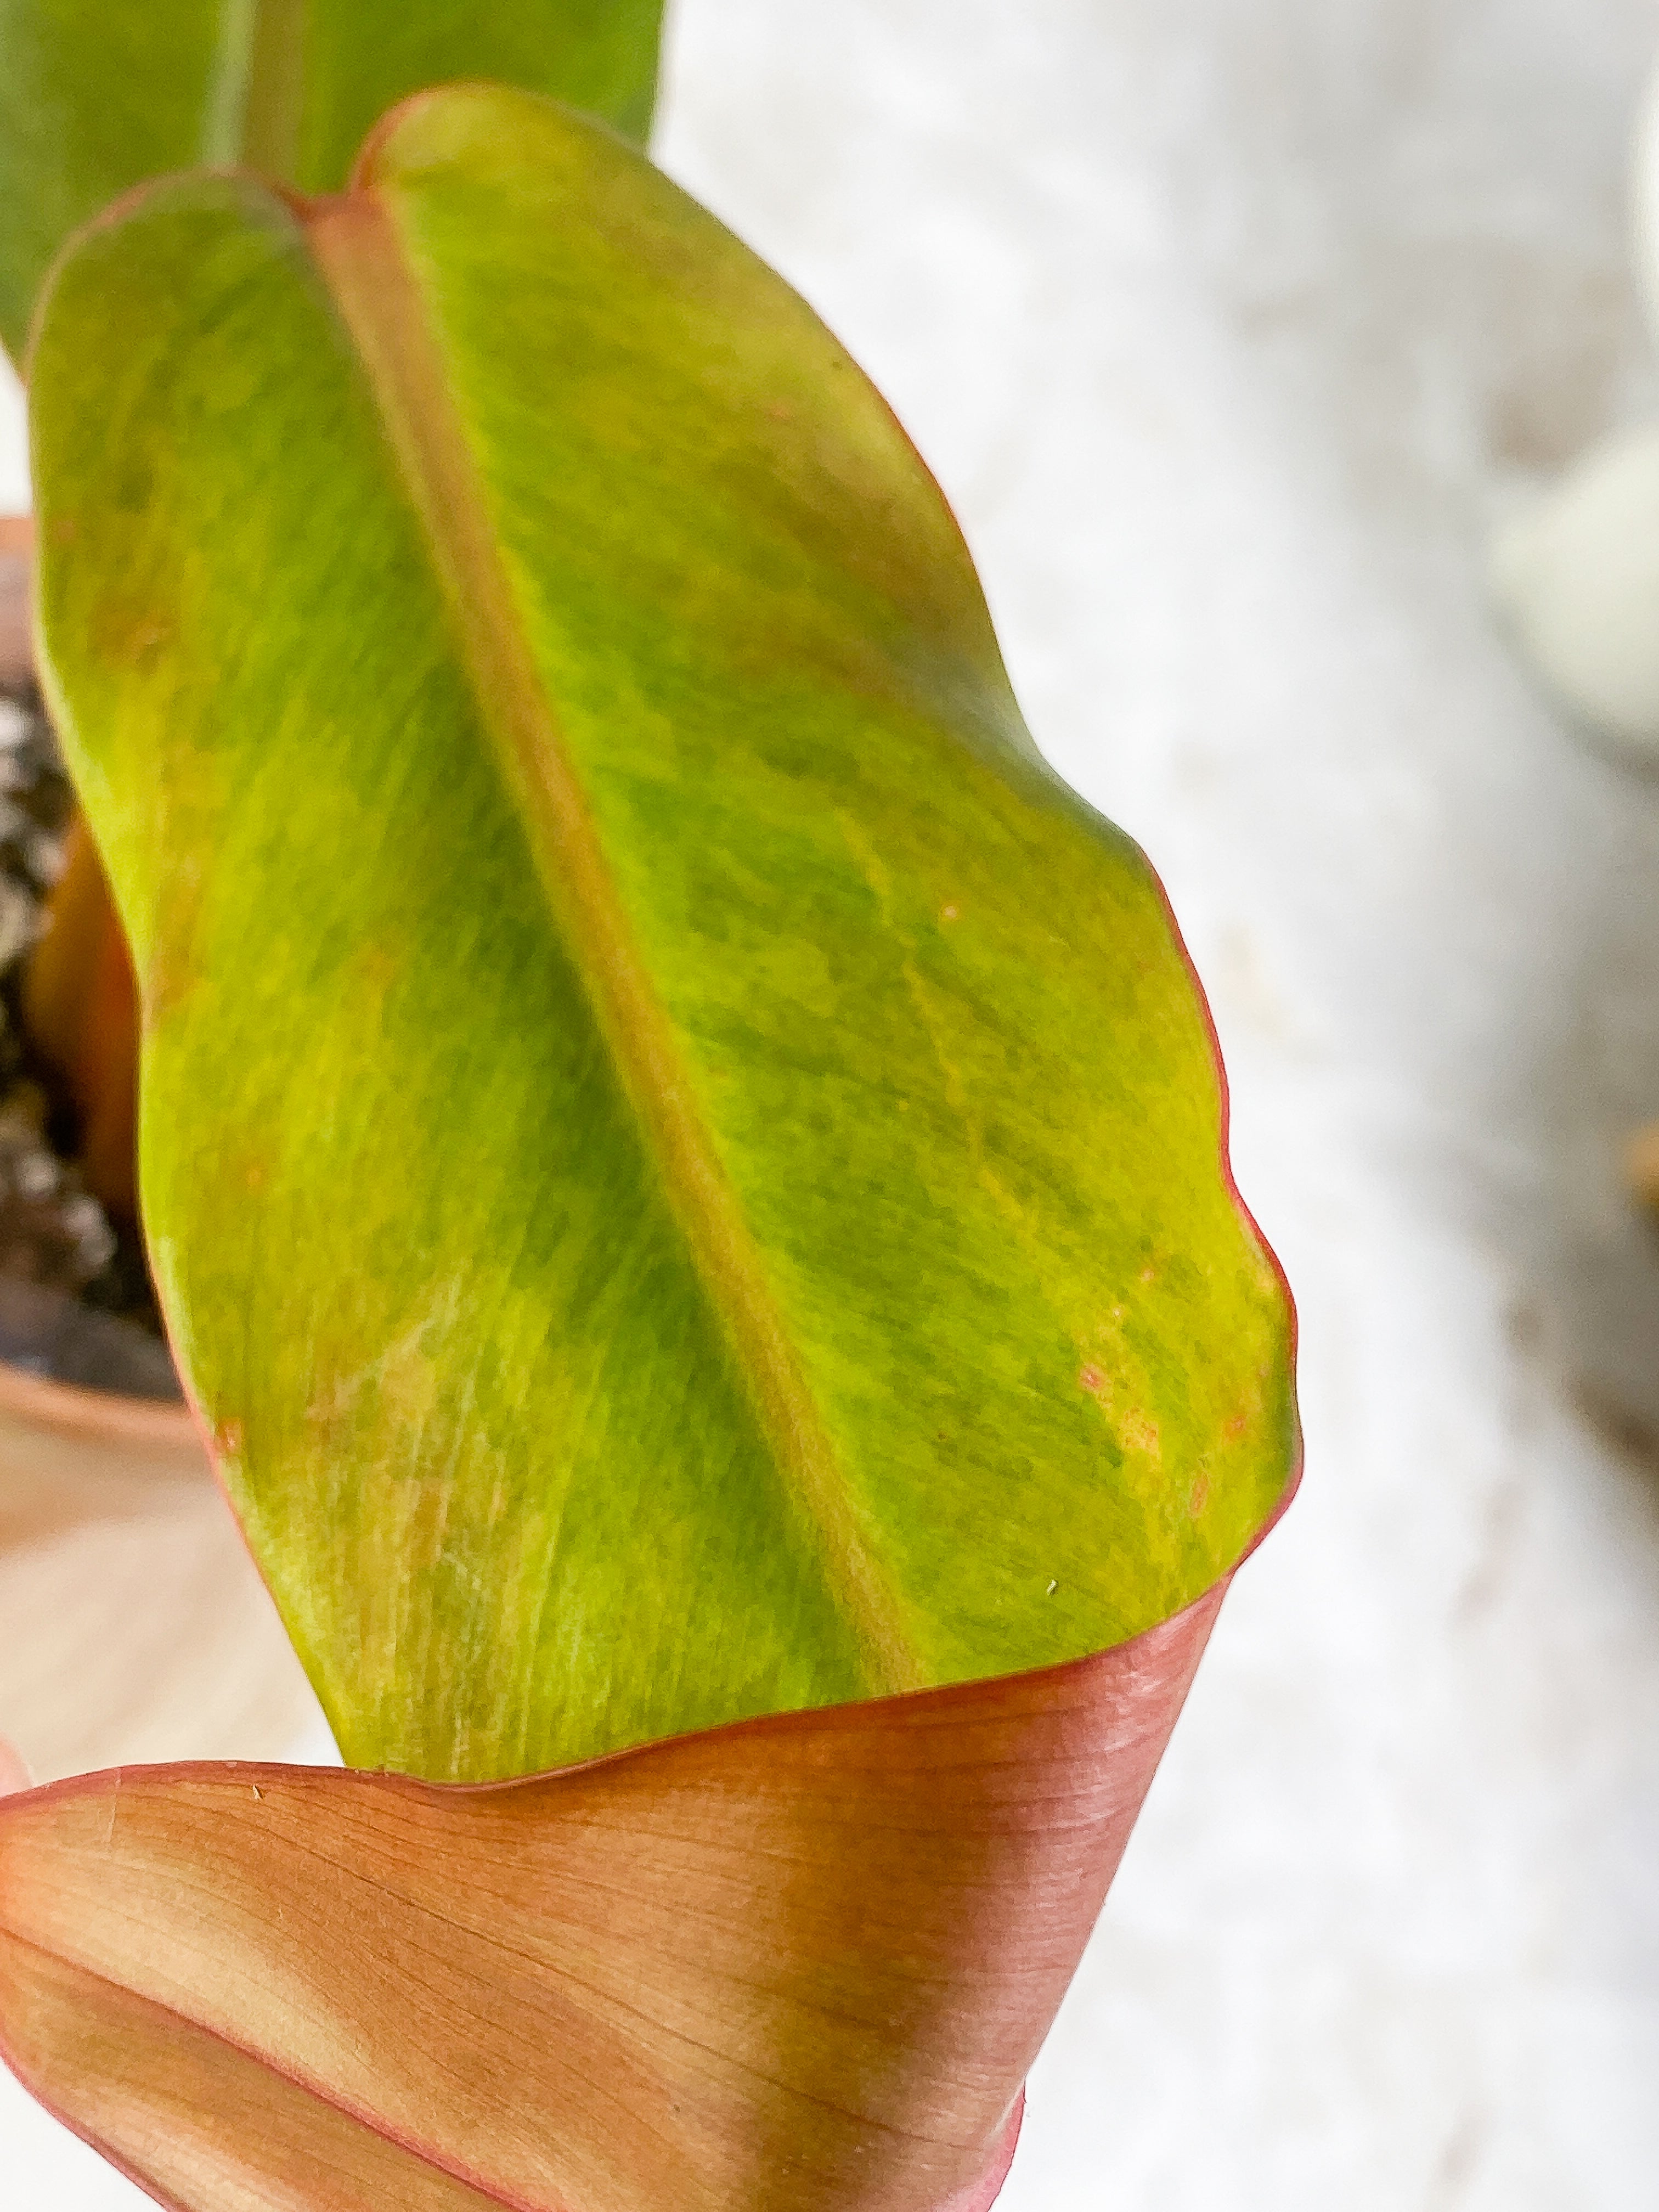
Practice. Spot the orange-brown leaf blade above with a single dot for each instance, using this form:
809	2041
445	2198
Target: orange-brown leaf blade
805	1961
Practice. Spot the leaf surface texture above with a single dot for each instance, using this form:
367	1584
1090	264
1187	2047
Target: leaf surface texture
685	1167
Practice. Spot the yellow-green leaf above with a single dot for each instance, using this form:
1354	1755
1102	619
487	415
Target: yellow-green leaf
685	1167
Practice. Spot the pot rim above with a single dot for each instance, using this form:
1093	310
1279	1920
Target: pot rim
109	1417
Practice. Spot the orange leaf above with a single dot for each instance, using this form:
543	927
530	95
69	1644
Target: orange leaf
800	1962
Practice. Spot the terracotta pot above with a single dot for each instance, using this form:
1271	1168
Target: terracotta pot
133	1625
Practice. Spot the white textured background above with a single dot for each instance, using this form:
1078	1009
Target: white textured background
1228	325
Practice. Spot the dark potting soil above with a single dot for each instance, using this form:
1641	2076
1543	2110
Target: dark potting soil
76	1303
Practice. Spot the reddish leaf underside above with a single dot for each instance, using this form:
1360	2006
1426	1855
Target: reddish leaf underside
800	1962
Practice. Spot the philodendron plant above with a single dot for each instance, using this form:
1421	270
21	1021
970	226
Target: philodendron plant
686	1175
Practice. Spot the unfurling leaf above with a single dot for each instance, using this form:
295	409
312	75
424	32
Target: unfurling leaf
96	98
796	1966
684	1165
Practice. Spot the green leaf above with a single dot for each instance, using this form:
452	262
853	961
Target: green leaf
684	1166
96	98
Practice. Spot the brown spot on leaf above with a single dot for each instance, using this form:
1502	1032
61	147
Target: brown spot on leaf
1139	1432
378	966
128	632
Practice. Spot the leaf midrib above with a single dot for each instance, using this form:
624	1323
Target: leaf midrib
365	268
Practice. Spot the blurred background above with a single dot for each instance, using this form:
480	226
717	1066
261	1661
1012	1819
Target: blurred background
1231	327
